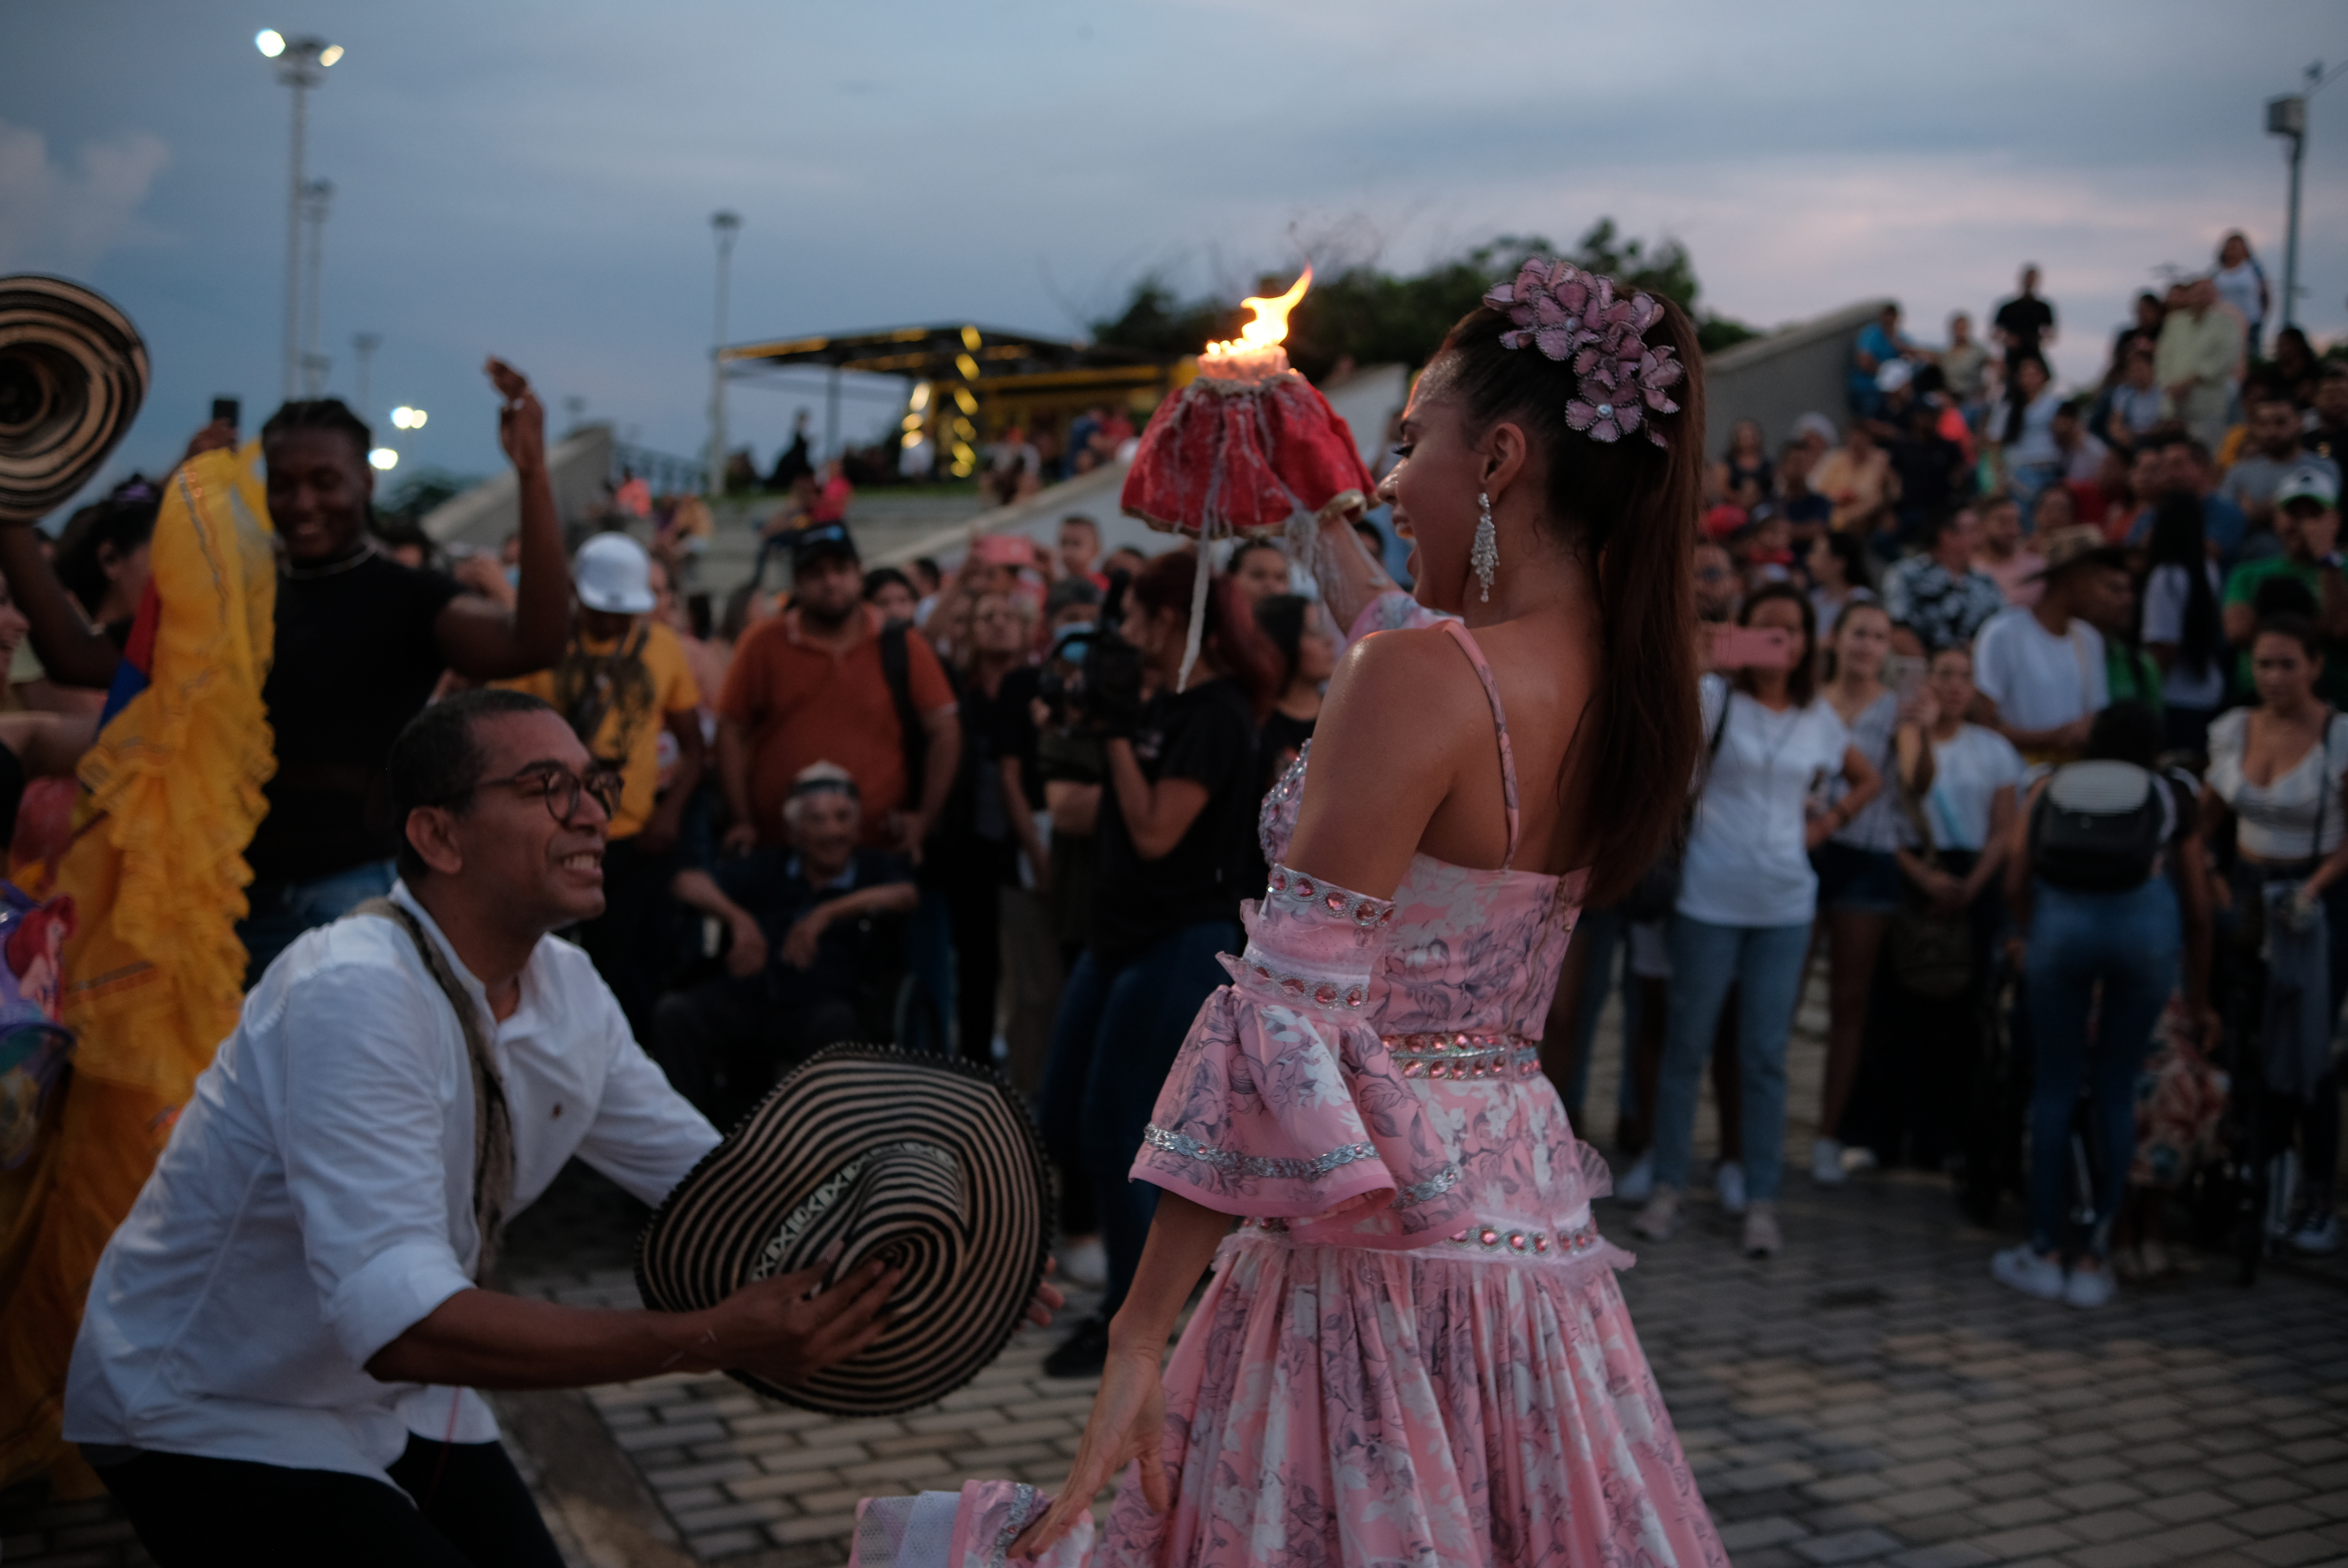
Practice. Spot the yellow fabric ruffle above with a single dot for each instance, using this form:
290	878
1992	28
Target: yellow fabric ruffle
154	974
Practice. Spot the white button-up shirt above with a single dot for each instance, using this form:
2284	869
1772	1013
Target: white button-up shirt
317	1200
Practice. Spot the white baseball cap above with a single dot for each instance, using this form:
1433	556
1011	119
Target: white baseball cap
614	575
2310	482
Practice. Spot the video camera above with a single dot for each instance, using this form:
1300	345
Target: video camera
1102	695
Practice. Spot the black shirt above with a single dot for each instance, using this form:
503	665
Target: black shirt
1208	735
2025	319
1927	466
1069	759
356	660
994	728
1283	737
771	886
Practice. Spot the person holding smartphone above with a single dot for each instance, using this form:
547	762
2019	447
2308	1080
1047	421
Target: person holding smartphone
1748	894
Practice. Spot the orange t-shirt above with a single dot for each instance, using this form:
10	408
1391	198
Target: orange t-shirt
802	703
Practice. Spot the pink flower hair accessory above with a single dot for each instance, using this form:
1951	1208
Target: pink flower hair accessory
1572	315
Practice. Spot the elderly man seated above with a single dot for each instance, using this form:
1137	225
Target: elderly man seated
814	951
274	1363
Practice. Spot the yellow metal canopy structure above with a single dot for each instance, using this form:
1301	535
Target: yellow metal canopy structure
970	383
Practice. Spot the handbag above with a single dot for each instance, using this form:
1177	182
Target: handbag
1931	953
1656	894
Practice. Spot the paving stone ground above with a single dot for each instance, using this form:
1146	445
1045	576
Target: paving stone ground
1869	1397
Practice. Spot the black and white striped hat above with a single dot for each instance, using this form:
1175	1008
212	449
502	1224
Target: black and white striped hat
926	1161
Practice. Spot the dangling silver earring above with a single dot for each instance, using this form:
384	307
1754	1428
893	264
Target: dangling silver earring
1485	555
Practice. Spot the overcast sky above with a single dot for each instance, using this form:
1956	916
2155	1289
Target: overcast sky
535	178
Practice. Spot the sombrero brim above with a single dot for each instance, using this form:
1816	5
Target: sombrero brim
930	1162
73	372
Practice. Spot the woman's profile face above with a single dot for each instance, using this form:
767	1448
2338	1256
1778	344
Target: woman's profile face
1863	640
1158	635
1432	490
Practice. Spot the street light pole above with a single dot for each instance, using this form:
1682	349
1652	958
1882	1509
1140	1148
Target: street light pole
727	225
301	65
315	360
2287	117
363	345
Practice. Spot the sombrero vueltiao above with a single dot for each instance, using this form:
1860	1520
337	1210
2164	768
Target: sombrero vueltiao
73	372
926	1161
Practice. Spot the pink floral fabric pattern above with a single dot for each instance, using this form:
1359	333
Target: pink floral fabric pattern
1386	1370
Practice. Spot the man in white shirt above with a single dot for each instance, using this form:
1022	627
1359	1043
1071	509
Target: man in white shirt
277	1354
2040	670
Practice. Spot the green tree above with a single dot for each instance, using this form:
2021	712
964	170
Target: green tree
1373	316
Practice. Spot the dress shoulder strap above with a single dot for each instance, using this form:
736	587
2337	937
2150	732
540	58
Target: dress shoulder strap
1462	636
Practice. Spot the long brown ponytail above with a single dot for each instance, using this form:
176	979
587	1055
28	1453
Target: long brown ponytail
1628	509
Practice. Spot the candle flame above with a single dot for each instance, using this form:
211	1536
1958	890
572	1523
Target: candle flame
1269	327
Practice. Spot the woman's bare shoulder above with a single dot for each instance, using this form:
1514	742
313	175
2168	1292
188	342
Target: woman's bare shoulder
1400	669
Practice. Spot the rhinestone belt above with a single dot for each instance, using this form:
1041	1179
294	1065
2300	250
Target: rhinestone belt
1464	1056
1564	1246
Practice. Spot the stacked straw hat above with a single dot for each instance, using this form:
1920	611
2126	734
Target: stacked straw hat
927	1162
73	371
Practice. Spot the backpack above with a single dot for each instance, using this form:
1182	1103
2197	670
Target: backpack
897	671
2098	827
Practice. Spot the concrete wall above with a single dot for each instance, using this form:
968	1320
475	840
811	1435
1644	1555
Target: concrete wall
483	515
1777	379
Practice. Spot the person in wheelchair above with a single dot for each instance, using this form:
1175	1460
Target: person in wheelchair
815	930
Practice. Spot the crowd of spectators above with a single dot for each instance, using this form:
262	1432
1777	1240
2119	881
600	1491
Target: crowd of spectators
1972	584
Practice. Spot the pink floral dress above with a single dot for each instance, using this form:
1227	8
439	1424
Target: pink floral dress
1413	1352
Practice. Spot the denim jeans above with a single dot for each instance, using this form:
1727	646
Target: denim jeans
1765	963
1119	1029
2128	942
282	912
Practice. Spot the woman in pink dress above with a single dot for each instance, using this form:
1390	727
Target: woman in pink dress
1414	1349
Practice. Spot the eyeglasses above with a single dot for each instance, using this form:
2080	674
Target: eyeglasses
559	787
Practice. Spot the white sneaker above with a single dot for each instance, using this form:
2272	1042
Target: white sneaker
2028	1272
1857	1159
1084	1262
1825	1162
1728	1180
1661	1217
1637	1183
2318	1235
1762	1237
2088	1288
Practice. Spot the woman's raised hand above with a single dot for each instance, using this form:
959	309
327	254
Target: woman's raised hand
1128	1424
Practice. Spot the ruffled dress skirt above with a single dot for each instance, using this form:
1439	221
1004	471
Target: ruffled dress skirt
1342	1405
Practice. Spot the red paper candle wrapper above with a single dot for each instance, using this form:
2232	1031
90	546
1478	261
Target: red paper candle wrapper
1238	458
